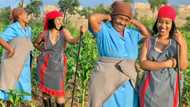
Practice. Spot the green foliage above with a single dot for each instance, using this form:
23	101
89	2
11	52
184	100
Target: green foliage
88	57
128	1
102	9
34	7
2	103
186	73
156	3
86	11
186	89
16	96
147	22
98	9
68	6
187	25
4	15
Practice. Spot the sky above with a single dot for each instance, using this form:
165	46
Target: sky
84	3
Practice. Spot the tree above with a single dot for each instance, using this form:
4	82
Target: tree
98	9
68	7
34	7
128	1
86	12
4	15
155	4
102	9
21	4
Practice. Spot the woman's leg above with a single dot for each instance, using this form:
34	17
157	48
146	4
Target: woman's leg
47	100
60	101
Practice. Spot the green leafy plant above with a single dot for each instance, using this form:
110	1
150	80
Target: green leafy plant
2	103
16	97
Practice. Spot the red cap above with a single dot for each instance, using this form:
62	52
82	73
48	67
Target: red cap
51	15
167	11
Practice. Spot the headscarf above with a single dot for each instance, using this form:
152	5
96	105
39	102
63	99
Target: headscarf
121	8
15	13
167	11
51	15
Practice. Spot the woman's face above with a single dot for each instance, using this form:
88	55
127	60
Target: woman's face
120	22
24	17
164	26
58	22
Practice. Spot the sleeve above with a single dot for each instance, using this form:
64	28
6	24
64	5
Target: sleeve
8	34
102	29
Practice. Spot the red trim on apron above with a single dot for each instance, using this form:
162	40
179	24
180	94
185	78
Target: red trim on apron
176	96
144	89
41	84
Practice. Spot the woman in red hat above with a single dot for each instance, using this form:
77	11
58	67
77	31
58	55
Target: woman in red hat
158	57
52	61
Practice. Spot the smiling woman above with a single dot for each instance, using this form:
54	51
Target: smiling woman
52	62
112	82
159	59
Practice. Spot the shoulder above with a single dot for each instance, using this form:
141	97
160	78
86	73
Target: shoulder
12	26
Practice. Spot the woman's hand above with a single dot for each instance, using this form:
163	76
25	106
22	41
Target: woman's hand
83	29
11	52
171	63
134	22
144	31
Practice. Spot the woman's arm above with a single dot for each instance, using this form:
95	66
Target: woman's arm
144	31
153	65
8	47
182	50
38	41
73	40
95	21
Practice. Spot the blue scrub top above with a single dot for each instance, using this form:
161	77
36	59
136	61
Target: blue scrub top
111	44
15	30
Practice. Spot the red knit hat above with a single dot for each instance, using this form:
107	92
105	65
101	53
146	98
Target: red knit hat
51	15
167	11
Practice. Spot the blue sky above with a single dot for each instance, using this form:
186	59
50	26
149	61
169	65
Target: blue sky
85	3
